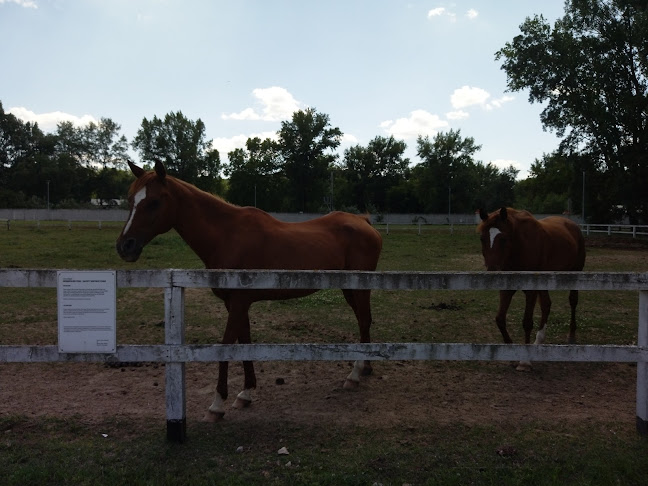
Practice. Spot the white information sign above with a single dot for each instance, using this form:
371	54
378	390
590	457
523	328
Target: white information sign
87	316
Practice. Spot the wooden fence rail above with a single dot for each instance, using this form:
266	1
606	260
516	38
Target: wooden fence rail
176	353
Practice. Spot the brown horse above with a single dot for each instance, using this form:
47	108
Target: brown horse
514	240
232	237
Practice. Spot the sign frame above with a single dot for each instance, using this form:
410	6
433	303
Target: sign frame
87	311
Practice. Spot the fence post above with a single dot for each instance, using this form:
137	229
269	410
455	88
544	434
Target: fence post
176	403
642	366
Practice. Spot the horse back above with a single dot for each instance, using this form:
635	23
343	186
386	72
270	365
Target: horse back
562	246
336	241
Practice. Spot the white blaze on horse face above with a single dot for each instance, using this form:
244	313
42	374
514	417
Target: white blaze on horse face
139	197
493	232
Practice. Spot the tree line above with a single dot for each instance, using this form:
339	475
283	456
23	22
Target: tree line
589	70
297	171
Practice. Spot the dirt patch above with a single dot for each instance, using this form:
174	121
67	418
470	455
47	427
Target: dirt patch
406	394
616	242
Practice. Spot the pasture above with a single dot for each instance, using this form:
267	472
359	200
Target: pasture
409	423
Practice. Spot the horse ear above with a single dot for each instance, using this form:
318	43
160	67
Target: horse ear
137	171
483	214
503	214
160	170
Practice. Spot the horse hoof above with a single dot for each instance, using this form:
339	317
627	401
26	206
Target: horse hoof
351	384
241	403
213	417
524	367
367	370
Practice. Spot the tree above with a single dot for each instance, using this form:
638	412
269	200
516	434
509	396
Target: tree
371	171
255	176
446	177
591	71
182	146
109	149
304	143
495	187
550	187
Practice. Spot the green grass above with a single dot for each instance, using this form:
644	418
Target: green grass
247	454
243	454
51	450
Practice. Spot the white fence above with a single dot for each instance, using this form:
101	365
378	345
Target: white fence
633	230
175	353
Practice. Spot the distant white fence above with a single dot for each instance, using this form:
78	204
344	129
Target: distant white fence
388	221
633	230
175	353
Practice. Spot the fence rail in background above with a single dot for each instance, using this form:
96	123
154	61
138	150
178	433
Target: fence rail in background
176	353
633	230
94	219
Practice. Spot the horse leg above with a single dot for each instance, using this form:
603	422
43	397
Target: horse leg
545	308
236	314
573	302
527	324
505	301
360	302
244	399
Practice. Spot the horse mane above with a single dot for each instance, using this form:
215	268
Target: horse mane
147	177
515	215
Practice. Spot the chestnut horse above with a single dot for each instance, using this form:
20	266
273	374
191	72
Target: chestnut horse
514	240
227	236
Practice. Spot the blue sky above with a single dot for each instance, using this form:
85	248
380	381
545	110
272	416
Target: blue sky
377	68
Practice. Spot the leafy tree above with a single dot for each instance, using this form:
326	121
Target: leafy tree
495	187
182	146
591	71
108	148
255	177
96	144
371	171
305	144
15	141
550	185
110	183
446	177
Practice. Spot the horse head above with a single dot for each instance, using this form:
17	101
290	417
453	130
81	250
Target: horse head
151	211
496	234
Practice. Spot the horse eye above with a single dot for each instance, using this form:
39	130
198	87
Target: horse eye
154	204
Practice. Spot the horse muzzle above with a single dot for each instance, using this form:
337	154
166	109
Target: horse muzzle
128	249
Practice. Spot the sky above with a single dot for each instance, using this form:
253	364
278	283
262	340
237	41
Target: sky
375	67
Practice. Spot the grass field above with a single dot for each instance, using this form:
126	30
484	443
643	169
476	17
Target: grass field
69	450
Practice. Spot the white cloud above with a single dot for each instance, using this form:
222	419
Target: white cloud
48	121
22	3
436	12
457	115
247	114
225	145
420	122
276	104
452	16
468	96
499	102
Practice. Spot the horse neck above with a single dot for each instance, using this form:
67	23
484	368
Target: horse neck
199	218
